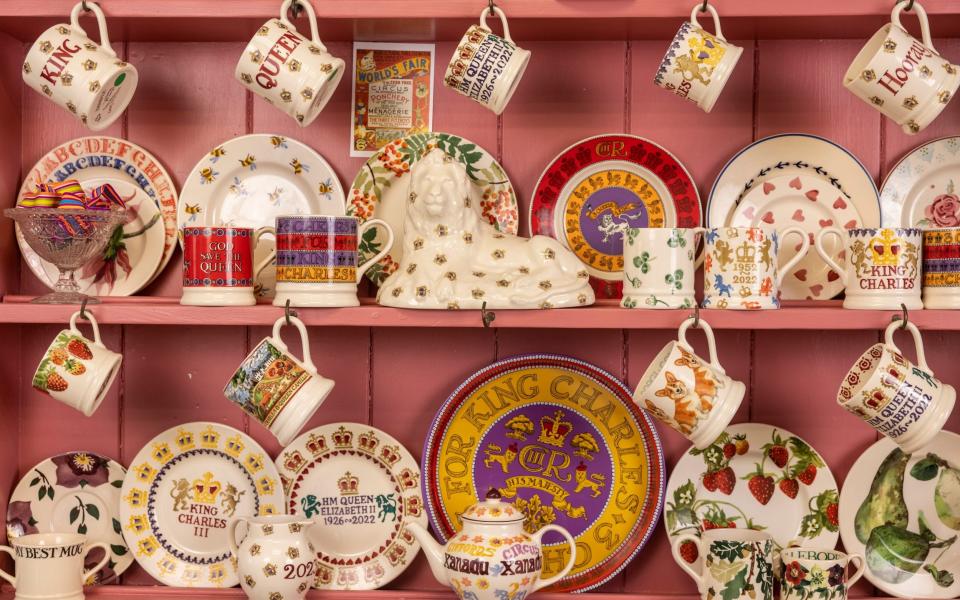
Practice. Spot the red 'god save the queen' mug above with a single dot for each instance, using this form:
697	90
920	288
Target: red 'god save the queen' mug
218	267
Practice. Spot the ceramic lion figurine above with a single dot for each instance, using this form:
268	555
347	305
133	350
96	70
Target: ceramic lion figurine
454	259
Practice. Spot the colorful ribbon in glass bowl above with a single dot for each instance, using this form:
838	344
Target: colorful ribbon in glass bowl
69	195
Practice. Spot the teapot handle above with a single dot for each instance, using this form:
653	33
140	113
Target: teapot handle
573	555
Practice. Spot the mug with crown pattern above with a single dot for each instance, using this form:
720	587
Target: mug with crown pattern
85	78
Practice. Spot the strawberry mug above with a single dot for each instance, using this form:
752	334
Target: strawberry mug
76	370
743	553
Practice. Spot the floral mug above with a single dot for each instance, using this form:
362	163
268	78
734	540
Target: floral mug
818	573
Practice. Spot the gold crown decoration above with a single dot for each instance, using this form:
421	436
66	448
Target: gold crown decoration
554	431
190	576
268	509
206	489
293	460
167	565
316	444
138	523
368	442
412	506
147	546
136	497
746	252
209	437
390	454
885	249
342	438
161	452
349	485
408	479
266	486
217	573
144	472
235	446
253	463
185	439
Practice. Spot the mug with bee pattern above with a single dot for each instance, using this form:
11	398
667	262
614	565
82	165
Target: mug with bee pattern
318	258
86	78
293	73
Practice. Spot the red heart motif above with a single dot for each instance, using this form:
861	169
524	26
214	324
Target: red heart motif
768	187
816	289
798	215
832	275
825	222
801	274
795	183
767	218
812	195
850	224
839	203
749	212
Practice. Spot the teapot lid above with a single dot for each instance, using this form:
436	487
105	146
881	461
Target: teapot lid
492	510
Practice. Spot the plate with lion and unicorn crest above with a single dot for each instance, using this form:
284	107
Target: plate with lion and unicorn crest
362	488
563	442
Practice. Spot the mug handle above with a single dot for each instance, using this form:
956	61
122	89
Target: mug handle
713	13
917	341
232	535
825	256
3	574
573	555
852	579
314	33
701	246
675	550
103	561
921	16
804	248
503	21
101	23
93	323
711	341
386	247
270	255
304	338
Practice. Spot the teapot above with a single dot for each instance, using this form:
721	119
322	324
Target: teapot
492	557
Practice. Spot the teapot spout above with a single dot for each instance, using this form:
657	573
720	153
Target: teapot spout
433	551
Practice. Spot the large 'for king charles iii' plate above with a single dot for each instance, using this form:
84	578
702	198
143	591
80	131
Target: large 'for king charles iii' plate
599	187
181	492
362	488
902	512
76	492
757	477
562	440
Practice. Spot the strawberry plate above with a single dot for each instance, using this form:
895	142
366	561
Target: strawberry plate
755	476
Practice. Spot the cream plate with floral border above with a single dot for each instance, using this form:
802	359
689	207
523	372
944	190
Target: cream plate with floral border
922	189
137	176
76	492
252	179
902	512
379	191
755	476
362	488
180	494
843	186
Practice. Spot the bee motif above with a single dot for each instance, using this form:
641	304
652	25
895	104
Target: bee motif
46	90
83	119
72	107
440	259
417	243
246	78
63	30
193	210
286	96
249	161
216	153
397	291
441	230
944	96
498	254
300	118
207	175
274	196
89	65
314	49
326	68
306	94
450	275
298	167
263	30
278	142
94	87
237	187
26	67
877	100
90	46
326	188
950	69
411	268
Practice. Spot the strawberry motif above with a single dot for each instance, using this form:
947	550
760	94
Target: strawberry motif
760	485
55	383
789	487
75	367
726	480
741	443
833	515
58	356
80	349
710	481
779	455
689	551
729	449
808	475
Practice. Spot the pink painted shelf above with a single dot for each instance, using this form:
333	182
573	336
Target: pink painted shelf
606	314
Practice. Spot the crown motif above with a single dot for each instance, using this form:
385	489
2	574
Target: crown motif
265	486
368	442
342	438
293	460
396	554
253	463
161	453
408	479
746	253
234	446
390	454
349	485
554	430
885	248
316	444
413	506
206	489
185	439
209	438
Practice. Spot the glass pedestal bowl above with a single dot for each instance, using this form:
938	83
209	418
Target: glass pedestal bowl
68	240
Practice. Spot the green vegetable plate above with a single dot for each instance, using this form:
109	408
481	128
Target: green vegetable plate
902	512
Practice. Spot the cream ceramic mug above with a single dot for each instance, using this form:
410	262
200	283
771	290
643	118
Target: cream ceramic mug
86	78
698	64
275	387
903	401
746	554
49	566
902	77
882	269
76	370
658	267
295	74
809	573
693	396
485	66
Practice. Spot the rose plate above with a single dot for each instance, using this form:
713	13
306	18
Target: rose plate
921	190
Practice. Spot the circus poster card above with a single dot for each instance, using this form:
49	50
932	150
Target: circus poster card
392	94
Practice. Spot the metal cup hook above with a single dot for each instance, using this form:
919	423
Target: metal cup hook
696	312
83	5
909	6
703	7
903	316
490	7
289	312
83	309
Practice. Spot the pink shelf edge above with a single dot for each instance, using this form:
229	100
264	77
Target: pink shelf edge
606	314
